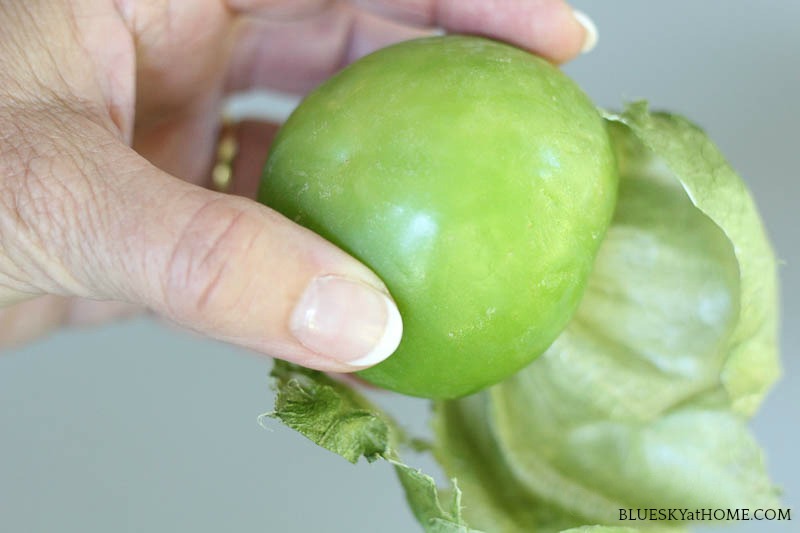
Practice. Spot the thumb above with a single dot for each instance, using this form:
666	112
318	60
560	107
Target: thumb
94	219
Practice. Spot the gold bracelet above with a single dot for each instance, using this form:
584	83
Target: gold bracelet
227	148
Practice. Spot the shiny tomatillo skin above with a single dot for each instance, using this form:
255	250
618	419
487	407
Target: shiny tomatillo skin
475	179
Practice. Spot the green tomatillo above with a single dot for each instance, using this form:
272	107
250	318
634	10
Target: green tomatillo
475	179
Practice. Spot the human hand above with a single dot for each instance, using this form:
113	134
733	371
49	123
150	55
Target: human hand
109	114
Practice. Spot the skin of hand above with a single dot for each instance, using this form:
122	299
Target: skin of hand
109	115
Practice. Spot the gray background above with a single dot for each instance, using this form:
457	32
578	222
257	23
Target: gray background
138	427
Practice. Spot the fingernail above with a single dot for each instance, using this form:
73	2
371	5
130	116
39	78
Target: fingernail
590	38
347	321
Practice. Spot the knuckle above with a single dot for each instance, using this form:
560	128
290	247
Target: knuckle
211	268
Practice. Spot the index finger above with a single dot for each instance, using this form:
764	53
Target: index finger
550	28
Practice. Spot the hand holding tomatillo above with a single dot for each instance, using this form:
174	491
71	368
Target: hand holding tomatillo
109	112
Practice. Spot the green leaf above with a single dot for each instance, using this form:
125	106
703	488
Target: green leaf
329	413
424	498
334	416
